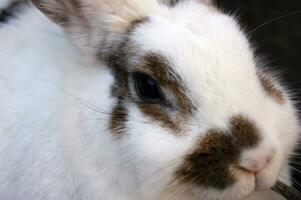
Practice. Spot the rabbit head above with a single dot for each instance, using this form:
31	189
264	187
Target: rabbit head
194	114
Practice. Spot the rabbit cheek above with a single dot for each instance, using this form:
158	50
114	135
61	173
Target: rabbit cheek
211	164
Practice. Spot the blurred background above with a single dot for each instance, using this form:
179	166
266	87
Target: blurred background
276	30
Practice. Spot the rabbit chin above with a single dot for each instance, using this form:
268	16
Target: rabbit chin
245	188
239	191
242	190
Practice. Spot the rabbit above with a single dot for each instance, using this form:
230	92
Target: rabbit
138	100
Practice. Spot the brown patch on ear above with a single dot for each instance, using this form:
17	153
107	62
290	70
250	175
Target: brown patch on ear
271	89
63	12
212	162
48	10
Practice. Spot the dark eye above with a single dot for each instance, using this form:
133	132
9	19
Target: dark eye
147	88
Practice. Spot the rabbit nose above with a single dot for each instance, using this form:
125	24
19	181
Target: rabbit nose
256	160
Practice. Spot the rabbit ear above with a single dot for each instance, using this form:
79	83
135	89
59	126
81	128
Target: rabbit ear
90	21
62	12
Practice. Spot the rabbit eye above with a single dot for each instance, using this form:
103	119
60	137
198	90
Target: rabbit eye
147	88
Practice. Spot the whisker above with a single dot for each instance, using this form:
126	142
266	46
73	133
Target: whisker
286	191
295	169
91	106
81	101
296	183
176	193
157	172
273	20
295	163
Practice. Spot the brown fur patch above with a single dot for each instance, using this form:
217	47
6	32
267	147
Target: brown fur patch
161	69
245	132
118	60
216	155
118	120
136	23
160	115
62	12
271	89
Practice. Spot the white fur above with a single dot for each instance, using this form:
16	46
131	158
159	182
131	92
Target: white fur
36	87
54	136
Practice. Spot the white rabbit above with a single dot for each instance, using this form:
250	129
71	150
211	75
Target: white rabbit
137	100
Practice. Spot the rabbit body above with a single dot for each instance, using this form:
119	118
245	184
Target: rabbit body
35	103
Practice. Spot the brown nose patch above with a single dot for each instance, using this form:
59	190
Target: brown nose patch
209	164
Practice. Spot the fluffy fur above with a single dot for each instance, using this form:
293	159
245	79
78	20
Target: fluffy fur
56	103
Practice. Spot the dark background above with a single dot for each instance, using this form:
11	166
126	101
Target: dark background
279	41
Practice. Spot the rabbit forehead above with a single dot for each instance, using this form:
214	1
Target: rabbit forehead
199	52
204	61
